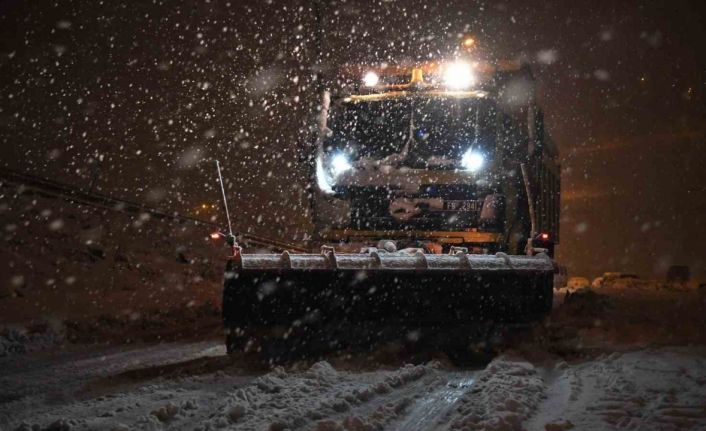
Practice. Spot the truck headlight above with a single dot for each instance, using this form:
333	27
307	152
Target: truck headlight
340	164
327	169
371	79
472	160
459	76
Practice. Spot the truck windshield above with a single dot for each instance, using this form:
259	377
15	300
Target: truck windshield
423	128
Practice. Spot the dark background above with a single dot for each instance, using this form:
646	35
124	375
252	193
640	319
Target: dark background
135	99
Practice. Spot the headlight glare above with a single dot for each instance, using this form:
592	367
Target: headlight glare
371	79
472	161
340	164
459	76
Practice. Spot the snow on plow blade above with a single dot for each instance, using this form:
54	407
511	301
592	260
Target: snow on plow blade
308	292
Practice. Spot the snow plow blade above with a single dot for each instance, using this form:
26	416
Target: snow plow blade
290	294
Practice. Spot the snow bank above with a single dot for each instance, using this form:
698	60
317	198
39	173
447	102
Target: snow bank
97	262
634	314
586	302
18	340
175	322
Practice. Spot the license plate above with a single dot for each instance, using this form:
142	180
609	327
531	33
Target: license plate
465	206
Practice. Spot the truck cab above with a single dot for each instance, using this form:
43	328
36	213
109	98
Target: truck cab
430	154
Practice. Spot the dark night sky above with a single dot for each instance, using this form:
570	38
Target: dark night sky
135	96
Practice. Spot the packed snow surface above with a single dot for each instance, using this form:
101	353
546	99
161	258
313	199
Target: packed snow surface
195	386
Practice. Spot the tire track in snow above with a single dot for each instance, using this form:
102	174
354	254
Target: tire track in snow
324	399
434	407
380	410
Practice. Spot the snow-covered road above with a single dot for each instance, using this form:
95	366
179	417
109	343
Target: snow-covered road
194	385
611	358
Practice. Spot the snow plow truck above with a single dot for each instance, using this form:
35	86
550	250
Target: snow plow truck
436	209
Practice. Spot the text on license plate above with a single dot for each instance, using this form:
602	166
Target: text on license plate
461	206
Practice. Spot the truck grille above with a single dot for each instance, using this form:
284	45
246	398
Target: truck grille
370	208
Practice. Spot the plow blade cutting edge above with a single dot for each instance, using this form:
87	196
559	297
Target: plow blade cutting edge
288	294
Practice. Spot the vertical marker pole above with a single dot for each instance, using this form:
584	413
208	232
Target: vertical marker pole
225	202
529	248
530	198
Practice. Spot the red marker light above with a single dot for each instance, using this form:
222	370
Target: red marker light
215	235
545	236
